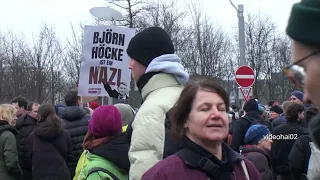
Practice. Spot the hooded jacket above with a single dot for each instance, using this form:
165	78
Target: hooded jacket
9	160
149	135
75	121
261	160
83	161
49	148
109	156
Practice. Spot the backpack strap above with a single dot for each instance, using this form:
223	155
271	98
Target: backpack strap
248	120
196	160
83	162
245	170
97	169
249	123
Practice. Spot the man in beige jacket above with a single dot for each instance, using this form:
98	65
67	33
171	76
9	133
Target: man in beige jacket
160	77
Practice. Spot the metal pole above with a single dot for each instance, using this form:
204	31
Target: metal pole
233	5
242	44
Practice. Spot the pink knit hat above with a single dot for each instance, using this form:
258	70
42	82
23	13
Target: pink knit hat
105	121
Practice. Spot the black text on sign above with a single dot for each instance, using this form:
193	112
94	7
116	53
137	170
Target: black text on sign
97	75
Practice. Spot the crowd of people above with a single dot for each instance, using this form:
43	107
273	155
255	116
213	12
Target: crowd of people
69	141
185	129
46	141
278	145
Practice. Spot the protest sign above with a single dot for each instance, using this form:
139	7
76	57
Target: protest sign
105	60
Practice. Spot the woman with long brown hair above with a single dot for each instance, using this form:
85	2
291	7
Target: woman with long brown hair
50	146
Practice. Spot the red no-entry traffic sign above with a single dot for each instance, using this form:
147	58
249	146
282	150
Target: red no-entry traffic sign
245	76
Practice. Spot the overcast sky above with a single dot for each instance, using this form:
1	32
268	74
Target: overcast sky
27	15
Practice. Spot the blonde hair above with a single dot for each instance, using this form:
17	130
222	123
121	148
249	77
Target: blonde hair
8	113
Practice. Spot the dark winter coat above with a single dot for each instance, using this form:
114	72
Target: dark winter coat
263	122
281	147
75	121
231	125
114	151
25	125
314	130
60	111
261	160
176	167
300	155
112	156
9	160
240	128
280	120
49	148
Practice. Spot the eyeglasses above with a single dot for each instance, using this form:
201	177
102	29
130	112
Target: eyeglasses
296	73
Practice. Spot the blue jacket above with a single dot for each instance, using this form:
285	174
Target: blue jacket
280	120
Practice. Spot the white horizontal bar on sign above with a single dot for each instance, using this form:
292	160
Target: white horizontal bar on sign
245	76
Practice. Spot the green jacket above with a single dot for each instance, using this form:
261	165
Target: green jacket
95	161
83	161
9	160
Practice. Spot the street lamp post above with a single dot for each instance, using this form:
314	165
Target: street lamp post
242	45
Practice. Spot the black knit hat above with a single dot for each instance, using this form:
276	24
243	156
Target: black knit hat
304	24
251	105
276	109
149	44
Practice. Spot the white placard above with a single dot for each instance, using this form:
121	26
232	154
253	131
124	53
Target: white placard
105	59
